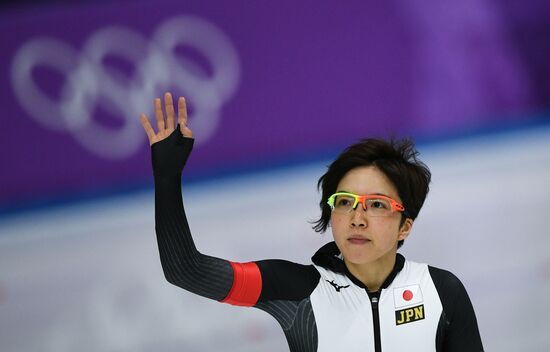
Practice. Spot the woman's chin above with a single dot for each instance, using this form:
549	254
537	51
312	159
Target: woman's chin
357	258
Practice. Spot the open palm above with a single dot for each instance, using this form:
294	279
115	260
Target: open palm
166	124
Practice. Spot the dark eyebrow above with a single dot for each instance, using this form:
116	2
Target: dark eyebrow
344	191
381	194
374	194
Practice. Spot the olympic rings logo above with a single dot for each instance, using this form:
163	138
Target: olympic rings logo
89	83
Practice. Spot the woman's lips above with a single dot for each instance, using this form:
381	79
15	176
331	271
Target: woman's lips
357	240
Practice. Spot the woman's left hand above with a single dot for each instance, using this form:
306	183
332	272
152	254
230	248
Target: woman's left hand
166	125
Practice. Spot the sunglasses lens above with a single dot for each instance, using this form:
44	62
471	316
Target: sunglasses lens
379	207
343	203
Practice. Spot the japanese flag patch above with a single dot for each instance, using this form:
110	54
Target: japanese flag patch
407	296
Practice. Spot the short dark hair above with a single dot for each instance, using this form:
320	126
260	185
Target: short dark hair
396	158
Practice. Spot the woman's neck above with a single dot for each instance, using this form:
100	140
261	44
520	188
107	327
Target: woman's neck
373	274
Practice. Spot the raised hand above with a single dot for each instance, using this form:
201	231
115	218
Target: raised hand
166	124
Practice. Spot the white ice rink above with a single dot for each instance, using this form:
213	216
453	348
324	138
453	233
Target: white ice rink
87	277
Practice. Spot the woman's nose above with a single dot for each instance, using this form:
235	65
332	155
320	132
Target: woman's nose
359	218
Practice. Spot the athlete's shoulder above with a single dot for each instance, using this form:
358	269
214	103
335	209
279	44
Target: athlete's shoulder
445	281
452	293
459	329
447	284
286	280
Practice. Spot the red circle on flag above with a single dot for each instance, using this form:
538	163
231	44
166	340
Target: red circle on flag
407	295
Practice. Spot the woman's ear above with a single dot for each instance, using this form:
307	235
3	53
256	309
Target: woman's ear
405	229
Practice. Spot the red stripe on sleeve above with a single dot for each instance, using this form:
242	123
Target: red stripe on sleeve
247	285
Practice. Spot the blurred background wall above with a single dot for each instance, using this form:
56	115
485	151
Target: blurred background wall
275	91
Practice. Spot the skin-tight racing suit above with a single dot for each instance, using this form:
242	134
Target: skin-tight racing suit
321	306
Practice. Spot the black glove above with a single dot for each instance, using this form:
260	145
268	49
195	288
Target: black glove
170	155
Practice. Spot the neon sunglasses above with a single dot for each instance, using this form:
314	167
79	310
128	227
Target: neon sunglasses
374	204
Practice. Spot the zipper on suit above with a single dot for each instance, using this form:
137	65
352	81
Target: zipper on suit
374	297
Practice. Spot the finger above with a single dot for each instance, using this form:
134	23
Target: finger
186	132
182	112
170	115
147	126
159	116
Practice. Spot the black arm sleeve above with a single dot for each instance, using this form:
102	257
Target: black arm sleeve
285	280
457	330
182	263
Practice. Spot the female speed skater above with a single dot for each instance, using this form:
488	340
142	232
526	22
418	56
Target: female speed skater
358	294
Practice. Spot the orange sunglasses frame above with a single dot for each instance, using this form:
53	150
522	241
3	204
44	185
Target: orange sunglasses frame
395	206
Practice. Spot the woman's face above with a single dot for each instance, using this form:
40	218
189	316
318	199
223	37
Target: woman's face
362	238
